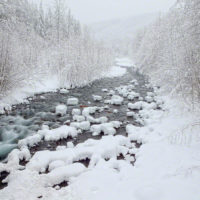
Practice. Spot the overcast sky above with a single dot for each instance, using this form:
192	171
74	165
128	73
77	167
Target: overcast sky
89	11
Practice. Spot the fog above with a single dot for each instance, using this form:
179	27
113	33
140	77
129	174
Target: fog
90	11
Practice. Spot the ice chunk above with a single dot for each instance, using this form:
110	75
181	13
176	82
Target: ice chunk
72	101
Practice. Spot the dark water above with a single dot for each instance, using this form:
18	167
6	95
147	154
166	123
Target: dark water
26	119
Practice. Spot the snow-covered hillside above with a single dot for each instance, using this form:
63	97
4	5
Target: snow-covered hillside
118	29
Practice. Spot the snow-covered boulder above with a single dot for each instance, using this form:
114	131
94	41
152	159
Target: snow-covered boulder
64	91
149	99
78	118
104	90
81	125
131	114
106	128
116	100
89	110
135	106
61	110
76	111
59	133
72	101
97	98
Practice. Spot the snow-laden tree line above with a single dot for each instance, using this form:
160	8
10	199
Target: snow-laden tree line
36	44
169	50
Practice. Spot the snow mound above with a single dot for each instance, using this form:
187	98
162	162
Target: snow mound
115	71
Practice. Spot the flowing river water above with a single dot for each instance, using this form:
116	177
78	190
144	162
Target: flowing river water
26	119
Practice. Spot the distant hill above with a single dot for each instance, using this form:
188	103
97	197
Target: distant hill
119	29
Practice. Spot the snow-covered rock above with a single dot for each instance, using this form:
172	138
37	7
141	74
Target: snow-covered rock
97	98
149	99
135	106
72	101
85	125
131	114
61	110
79	118
76	111
115	111
63	173
70	145
116	100
59	133
111	92
97	120
89	110
106	128
104	90
64	91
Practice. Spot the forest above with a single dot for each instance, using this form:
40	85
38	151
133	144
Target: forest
37	44
169	52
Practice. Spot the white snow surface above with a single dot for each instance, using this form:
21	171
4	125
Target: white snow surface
72	101
124	62
115	71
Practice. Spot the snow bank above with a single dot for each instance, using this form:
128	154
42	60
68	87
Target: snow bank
124	62
115	71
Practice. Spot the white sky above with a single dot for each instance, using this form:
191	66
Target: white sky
89	11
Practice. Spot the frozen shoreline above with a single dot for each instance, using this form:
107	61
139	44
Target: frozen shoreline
19	95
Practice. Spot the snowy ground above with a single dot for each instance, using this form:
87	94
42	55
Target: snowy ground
115	71
126	62
165	167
